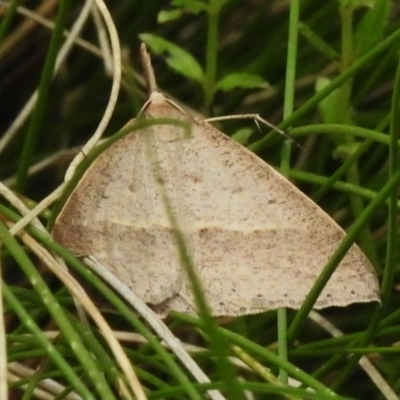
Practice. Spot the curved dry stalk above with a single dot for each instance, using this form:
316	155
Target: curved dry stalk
106	52
116	55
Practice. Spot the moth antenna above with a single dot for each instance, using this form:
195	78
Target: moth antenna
148	69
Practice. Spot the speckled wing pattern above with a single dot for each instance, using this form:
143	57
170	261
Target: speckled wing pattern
257	242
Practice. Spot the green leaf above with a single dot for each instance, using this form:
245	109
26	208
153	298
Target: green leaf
181	7
177	58
371	28
169	15
329	107
241	80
